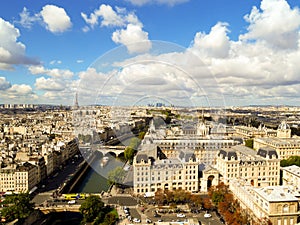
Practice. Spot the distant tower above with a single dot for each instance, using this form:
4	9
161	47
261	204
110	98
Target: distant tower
76	106
284	130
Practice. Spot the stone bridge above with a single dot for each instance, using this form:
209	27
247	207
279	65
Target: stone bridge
117	150
104	149
59	208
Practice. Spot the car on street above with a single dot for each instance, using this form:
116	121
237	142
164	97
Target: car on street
180	215
71	202
156	215
136	220
207	215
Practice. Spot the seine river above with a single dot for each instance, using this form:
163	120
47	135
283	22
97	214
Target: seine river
95	180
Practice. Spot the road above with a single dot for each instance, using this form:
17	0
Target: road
56	181
214	220
147	211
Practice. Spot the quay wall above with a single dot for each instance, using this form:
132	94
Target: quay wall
78	175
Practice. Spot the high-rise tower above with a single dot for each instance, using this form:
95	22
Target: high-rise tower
76	106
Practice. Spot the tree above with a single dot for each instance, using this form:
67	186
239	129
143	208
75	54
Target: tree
129	153
134	143
18	206
160	197
249	143
168	120
207	204
91	208
142	135
292	160
110	219
116	176
196	200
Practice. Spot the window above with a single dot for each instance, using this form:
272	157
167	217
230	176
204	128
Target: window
285	208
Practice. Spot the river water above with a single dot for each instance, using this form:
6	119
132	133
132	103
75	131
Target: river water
95	180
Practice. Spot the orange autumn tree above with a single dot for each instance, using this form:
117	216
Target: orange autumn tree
223	200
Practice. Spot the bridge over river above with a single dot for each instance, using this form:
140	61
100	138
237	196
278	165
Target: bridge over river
104	149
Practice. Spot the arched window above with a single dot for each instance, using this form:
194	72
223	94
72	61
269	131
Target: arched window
285	208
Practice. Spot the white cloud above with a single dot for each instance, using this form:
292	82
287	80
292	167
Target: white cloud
146	77
160	2
276	24
4	84
18	93
49	84
55	18
12	52
58	73
20	89
55	62
110	17
214	44
251	70
133	37
26	20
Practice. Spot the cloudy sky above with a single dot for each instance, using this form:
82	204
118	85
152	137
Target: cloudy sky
134	52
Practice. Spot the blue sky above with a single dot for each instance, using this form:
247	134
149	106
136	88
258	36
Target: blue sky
185	52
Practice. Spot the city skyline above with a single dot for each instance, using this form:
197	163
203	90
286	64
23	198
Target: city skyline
181	52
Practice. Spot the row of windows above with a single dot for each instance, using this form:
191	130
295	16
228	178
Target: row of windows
164	178
142	190
192	183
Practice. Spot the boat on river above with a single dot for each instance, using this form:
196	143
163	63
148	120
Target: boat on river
104	161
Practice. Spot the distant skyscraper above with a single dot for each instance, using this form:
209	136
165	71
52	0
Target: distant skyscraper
76	101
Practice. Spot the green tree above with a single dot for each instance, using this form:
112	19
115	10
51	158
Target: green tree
116	176
134	143
249	143
141	135
292	160
168	120
91	208
129	153
110	219
18	206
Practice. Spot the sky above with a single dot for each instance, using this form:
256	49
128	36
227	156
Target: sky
138	52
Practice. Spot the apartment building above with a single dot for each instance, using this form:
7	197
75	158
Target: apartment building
194	138
152	171
18	178
283	143
291	176
259	168
252	132
276	203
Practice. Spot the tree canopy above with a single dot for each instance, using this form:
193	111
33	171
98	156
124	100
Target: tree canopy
129	153
91	208
116	176
227	206
17	206
249	143
292	160
94	211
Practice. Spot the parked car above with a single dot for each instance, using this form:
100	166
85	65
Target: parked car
148	221
136	220
207	215
222	220
180	215
157	215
